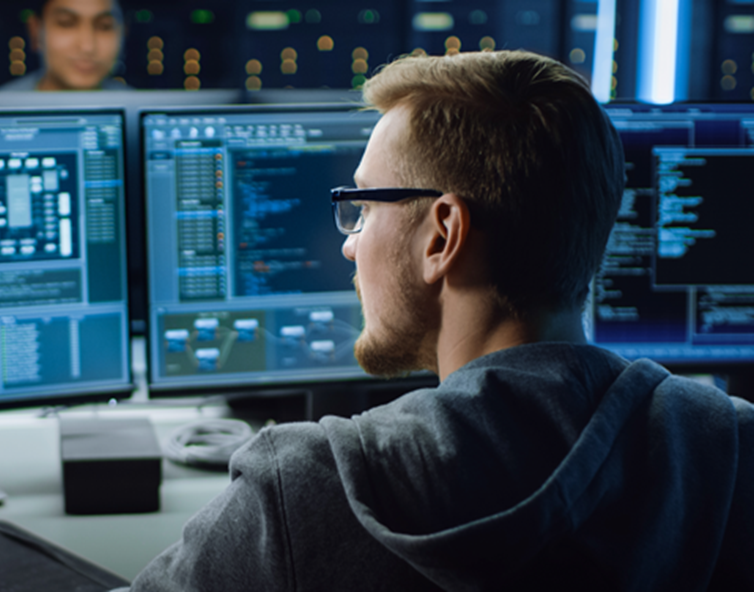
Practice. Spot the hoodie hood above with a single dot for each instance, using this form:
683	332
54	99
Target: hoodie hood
542	451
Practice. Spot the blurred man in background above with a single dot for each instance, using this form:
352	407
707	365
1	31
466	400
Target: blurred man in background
79	42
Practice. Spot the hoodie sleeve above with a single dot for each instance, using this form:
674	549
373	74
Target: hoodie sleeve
284	523
238	541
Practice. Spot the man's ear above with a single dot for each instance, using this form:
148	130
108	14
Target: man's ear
34	27
450	222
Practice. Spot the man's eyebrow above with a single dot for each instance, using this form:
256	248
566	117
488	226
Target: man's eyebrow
64	10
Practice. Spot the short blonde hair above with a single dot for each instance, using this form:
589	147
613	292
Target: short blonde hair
521	139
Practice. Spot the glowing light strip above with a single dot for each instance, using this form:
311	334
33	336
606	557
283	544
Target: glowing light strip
665	45
659	51
602	67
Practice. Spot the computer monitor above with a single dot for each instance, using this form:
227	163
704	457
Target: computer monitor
63	296
132	102
248	287
677	282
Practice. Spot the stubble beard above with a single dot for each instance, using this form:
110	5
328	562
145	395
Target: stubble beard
405	340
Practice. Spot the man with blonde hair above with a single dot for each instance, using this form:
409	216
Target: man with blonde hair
483	204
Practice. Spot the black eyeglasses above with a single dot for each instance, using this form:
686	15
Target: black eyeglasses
346	203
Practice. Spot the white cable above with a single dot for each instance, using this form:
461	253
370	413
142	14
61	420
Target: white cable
208	443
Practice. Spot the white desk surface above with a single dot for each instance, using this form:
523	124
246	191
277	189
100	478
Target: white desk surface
30	473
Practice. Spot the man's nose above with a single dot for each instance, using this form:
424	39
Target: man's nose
87	38
349	247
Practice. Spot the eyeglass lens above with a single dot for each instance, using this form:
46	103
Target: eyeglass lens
348	216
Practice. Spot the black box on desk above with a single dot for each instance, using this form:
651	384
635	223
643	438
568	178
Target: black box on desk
110	466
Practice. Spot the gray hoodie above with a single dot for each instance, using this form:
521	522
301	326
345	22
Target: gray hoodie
546	466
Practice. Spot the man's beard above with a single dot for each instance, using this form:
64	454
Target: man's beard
405	340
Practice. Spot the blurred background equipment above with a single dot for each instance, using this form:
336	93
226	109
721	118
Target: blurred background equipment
655	50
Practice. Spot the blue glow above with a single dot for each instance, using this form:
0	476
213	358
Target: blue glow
658	49
602	67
